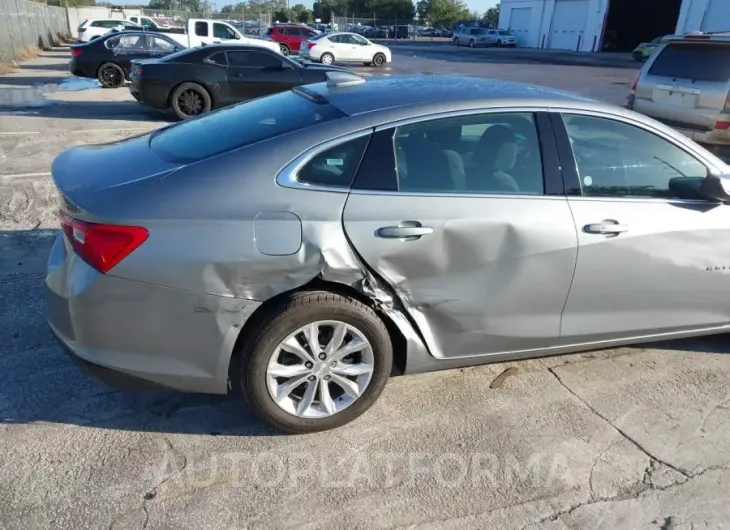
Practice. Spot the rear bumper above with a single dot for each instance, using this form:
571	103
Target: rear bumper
81	69
150	94
131	334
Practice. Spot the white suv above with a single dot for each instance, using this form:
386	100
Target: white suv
92	28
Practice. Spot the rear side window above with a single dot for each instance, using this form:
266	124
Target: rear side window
201	29
701	62
336	166
243	124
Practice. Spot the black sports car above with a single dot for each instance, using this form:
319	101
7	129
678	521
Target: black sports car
108	57
196	80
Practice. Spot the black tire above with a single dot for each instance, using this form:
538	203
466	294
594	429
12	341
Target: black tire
499	44
284	49
331	58
111	75
187	97
456	42
379	60
286	317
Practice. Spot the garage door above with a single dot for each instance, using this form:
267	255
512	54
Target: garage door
569	23
519	25
717	16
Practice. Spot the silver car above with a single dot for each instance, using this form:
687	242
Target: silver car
686	84
302	247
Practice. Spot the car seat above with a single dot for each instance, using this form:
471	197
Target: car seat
494	161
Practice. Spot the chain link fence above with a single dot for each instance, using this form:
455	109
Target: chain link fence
376	28
26	25
245	21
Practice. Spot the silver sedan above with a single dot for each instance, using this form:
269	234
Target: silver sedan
303	247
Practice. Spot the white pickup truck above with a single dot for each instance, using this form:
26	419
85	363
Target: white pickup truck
205	31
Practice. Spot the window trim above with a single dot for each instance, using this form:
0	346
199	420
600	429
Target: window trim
570	171
288	177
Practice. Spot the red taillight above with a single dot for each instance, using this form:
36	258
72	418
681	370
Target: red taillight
722	125
100	245
311	45
75	52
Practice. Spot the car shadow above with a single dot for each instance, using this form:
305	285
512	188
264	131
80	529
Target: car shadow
40	383
56	67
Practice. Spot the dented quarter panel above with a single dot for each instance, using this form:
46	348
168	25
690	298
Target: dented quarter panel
492	277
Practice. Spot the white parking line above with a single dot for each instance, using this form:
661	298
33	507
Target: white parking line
25	176
18	133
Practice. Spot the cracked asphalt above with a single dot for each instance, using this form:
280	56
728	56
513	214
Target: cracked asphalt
626	438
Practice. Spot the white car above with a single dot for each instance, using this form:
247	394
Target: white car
92	28
344	47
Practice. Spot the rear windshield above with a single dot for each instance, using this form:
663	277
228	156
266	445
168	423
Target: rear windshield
702	62
318	36
504	32
243	124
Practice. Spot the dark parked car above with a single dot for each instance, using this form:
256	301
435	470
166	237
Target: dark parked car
197	80
108	57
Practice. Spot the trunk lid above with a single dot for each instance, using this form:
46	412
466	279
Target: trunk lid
87	174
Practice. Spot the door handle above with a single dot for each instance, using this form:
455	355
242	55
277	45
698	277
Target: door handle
406	230
607	226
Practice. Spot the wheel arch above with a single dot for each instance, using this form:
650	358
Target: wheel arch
261	313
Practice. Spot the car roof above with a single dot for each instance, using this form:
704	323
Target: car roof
380	93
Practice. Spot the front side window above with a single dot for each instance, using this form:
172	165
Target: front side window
357	39
336	166
201	29
147	23
240	125
476	154
221	31
615	159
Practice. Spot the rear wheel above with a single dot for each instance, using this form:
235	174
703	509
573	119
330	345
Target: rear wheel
379	60
111	75
321	361
284	49
499	44
327	58
189	100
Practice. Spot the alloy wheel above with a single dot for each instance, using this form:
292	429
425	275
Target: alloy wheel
112	76
320	369
190	102
284	49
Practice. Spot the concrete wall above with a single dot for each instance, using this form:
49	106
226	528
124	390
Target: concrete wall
76	15
542	23
698	15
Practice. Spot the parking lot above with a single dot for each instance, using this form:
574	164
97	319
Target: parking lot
626	438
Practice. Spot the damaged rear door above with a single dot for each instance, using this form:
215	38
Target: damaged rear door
466	219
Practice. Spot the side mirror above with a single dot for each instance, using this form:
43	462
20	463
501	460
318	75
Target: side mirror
716	187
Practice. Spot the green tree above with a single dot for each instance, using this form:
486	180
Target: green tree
445	13
300	13
491	16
